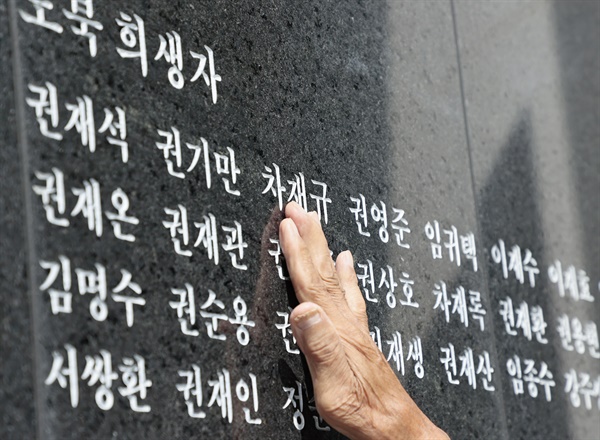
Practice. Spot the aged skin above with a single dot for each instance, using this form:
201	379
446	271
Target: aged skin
356	391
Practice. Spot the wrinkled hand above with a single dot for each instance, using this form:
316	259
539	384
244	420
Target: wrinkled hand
356	391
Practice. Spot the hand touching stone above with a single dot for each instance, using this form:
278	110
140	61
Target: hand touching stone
356	391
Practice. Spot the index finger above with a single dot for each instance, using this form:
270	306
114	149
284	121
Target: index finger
311	232
308	283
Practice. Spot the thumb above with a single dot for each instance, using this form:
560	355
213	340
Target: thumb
320	342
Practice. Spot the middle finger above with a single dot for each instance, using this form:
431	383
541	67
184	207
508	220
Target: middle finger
311	232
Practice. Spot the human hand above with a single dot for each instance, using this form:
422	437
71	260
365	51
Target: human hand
356	391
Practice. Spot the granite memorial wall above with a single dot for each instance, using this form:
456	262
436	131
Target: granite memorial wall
148	147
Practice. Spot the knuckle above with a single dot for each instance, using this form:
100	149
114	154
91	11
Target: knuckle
315	292
323	289
339	404
330	281
366	348
324	349
373	355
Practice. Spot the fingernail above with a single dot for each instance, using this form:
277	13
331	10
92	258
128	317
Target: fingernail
308	319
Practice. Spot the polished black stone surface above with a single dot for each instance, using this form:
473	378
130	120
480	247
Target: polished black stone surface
536	156
475	116
17	402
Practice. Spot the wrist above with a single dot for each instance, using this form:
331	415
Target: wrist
412	423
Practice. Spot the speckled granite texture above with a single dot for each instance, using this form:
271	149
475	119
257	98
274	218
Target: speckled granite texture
480	116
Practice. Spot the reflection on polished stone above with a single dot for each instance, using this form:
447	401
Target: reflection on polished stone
147	153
